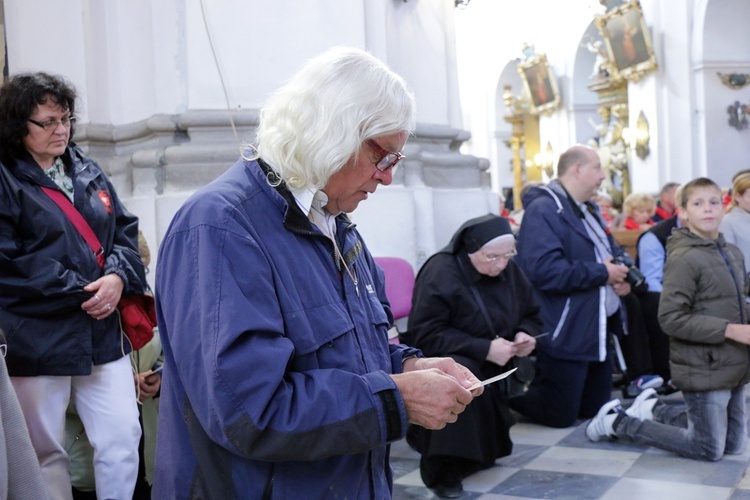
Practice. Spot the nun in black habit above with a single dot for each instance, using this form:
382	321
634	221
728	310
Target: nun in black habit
472	303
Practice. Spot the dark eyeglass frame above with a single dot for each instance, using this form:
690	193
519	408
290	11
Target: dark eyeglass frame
388	159
51	125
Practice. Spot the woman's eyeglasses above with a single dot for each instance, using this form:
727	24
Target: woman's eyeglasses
51	125
387	159
493	258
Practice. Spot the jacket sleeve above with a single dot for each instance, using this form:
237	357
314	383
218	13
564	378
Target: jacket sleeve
552	254
220	313
438	292
117	232
531	321
32	283
399	352
123	258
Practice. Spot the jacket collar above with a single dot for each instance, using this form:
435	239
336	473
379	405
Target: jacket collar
569	209
25	167
294	219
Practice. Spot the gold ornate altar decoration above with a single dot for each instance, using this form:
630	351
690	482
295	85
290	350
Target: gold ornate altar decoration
539	95
624	53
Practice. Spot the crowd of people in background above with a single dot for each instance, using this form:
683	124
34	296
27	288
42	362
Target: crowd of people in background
280	379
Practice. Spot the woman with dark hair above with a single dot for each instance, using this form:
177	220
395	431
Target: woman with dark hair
57	296
472	303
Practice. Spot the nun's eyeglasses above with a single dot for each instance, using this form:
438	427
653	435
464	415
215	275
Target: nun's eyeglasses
493	258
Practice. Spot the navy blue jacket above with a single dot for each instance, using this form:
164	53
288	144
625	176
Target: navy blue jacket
45	263
559	258
276	376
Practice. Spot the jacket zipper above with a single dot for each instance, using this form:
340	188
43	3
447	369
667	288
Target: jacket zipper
734	280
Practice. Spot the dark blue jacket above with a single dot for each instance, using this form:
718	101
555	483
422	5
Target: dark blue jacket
276	376
45	263
559	258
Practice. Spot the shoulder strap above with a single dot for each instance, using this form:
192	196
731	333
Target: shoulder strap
477	298
78	221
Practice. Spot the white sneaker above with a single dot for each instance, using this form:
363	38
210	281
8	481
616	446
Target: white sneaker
601	425
643	405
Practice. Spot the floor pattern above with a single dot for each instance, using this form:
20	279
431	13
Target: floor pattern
563	464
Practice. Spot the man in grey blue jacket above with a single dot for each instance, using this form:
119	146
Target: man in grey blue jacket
566	252
279	381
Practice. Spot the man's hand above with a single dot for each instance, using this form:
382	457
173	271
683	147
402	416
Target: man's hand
446	365
107	291
617	272
622	288
435	390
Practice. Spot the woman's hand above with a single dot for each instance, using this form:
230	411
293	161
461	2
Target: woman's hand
107	291
524	343
501	351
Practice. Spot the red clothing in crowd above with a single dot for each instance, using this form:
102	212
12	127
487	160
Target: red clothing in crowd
632	225
662	213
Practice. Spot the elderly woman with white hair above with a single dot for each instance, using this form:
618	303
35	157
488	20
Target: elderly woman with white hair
472	303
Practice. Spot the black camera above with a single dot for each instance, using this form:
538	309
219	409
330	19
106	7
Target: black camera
635	277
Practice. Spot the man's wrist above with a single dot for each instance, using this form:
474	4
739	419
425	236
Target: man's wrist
408	362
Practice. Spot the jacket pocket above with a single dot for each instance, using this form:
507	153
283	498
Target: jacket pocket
309	329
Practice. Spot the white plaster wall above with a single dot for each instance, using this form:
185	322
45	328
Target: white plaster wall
48	36
489	35
421	49
667	98
721	43
260	43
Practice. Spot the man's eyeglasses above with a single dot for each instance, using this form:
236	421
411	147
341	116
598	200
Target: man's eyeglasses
51	125
493	258
388	160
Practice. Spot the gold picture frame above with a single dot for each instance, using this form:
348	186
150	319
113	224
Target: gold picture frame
540	84
628	41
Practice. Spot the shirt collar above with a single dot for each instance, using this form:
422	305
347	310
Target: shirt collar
304	197
311	201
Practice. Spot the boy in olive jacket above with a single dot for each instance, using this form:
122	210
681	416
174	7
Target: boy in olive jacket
704	311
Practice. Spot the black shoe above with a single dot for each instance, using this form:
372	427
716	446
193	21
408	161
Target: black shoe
448	491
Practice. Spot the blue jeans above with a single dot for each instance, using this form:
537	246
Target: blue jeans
707	425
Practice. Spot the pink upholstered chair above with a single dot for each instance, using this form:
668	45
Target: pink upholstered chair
399	285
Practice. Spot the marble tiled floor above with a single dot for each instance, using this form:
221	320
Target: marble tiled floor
563	464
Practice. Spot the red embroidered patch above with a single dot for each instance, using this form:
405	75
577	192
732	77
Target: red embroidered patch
106	200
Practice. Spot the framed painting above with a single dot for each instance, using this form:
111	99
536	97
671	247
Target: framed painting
628	41
540	83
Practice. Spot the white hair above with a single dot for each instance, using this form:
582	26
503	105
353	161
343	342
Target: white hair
318	120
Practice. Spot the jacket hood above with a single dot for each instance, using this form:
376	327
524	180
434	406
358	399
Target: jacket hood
683	238
557	192
554	190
